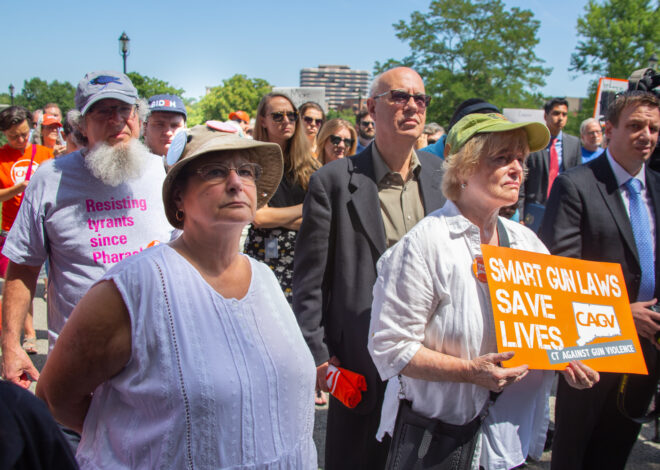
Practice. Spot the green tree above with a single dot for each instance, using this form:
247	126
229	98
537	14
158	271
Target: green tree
616	37
149	86
37	92
237	92
473	48
346	114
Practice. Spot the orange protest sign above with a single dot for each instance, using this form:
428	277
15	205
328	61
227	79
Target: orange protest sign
551	310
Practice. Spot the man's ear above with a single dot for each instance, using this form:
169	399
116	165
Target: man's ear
608	129
371	107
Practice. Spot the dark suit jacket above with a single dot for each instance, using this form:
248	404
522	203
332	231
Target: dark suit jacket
585	218
339	242
535	188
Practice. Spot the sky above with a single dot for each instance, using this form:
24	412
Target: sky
196	44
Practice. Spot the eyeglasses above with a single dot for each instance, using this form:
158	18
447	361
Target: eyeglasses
336	140
103	113
291	116
401	97
249	173
310	120
367	123
594	133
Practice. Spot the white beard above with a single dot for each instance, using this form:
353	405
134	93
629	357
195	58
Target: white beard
114	165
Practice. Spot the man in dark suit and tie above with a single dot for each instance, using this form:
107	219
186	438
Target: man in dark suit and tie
563	152
607	210
354	210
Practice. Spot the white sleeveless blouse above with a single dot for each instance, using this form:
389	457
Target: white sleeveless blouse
211	383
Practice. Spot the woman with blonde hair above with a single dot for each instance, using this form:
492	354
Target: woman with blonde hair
337	139
272	236
432	331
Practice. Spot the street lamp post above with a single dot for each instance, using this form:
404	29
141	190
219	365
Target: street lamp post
11	93
653	61
124	50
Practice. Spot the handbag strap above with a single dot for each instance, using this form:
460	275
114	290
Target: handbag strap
502	235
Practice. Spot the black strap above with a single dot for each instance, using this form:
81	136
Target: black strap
502	235
621	403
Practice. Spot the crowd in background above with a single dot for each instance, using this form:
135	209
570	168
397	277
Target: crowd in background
203	283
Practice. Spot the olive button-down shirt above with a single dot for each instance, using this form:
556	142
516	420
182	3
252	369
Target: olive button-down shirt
401	204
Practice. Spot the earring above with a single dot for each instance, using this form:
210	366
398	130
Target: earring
178	215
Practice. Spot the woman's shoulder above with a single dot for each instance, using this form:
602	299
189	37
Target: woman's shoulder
134	265
260	270
522	237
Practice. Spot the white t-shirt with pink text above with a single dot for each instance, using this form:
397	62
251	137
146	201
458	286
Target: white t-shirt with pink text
84	227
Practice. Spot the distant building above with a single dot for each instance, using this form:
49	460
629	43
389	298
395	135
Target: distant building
574	104
340	82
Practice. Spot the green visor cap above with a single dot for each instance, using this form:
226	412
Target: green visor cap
538	134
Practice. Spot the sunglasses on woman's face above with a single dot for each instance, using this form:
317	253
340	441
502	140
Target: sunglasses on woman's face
336	140
292	116
310	120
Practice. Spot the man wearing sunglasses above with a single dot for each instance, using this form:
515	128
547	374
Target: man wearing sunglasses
366	129
83	212
355	209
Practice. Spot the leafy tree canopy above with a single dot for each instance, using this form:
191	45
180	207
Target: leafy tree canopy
37	92
473	48
149	86
616	37
346	114
236	93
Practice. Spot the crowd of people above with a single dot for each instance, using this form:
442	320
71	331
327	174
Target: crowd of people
204	282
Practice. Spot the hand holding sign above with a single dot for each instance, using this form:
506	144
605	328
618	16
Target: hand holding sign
488	372
579	375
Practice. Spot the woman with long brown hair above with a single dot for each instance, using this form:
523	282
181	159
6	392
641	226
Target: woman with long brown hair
273	233
313	117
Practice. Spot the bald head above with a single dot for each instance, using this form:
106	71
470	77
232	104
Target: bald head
397	104
383	82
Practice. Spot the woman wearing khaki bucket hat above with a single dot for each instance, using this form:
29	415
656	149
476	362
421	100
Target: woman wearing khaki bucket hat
182	344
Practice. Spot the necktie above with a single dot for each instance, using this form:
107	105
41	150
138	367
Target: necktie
639	220
554	163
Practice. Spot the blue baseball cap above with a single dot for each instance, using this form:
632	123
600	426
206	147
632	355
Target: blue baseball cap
105	84
167	103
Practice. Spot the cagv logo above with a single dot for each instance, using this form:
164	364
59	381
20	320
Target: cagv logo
595	321
19	170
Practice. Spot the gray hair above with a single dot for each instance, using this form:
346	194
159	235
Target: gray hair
143	109
586	122
433	127
73	118
375	85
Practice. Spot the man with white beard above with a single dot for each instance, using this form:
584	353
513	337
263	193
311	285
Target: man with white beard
83	212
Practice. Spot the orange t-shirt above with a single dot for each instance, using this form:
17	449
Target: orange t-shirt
13	170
